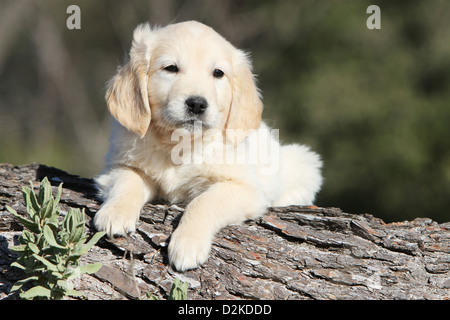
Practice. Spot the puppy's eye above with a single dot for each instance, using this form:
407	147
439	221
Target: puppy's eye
217	73
172	68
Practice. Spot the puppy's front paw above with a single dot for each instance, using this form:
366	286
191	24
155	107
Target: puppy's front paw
189	247
116	220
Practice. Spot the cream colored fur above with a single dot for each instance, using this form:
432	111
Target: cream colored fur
149	104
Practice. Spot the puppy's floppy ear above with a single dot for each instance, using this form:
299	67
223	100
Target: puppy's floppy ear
246	106
127	93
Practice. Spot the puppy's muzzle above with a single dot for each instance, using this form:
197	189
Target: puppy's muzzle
196	105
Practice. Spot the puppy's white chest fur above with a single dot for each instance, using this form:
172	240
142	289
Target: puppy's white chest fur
182	171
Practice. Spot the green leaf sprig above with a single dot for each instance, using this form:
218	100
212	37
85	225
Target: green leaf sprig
179	290
50	249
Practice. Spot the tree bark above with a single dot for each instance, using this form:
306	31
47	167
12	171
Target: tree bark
290	253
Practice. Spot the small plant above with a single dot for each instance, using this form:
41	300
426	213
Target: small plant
178	290
50	249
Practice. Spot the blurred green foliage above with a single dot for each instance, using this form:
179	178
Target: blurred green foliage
374	103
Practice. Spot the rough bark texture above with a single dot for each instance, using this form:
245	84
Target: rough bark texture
289	253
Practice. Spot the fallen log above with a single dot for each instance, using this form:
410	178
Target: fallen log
291	252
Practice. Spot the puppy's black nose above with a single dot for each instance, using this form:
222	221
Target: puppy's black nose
196	105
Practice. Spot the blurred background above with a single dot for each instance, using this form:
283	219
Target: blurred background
374	103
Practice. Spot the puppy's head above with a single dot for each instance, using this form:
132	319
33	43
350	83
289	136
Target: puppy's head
183	74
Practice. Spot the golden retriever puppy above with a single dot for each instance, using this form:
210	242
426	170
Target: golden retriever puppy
188	130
